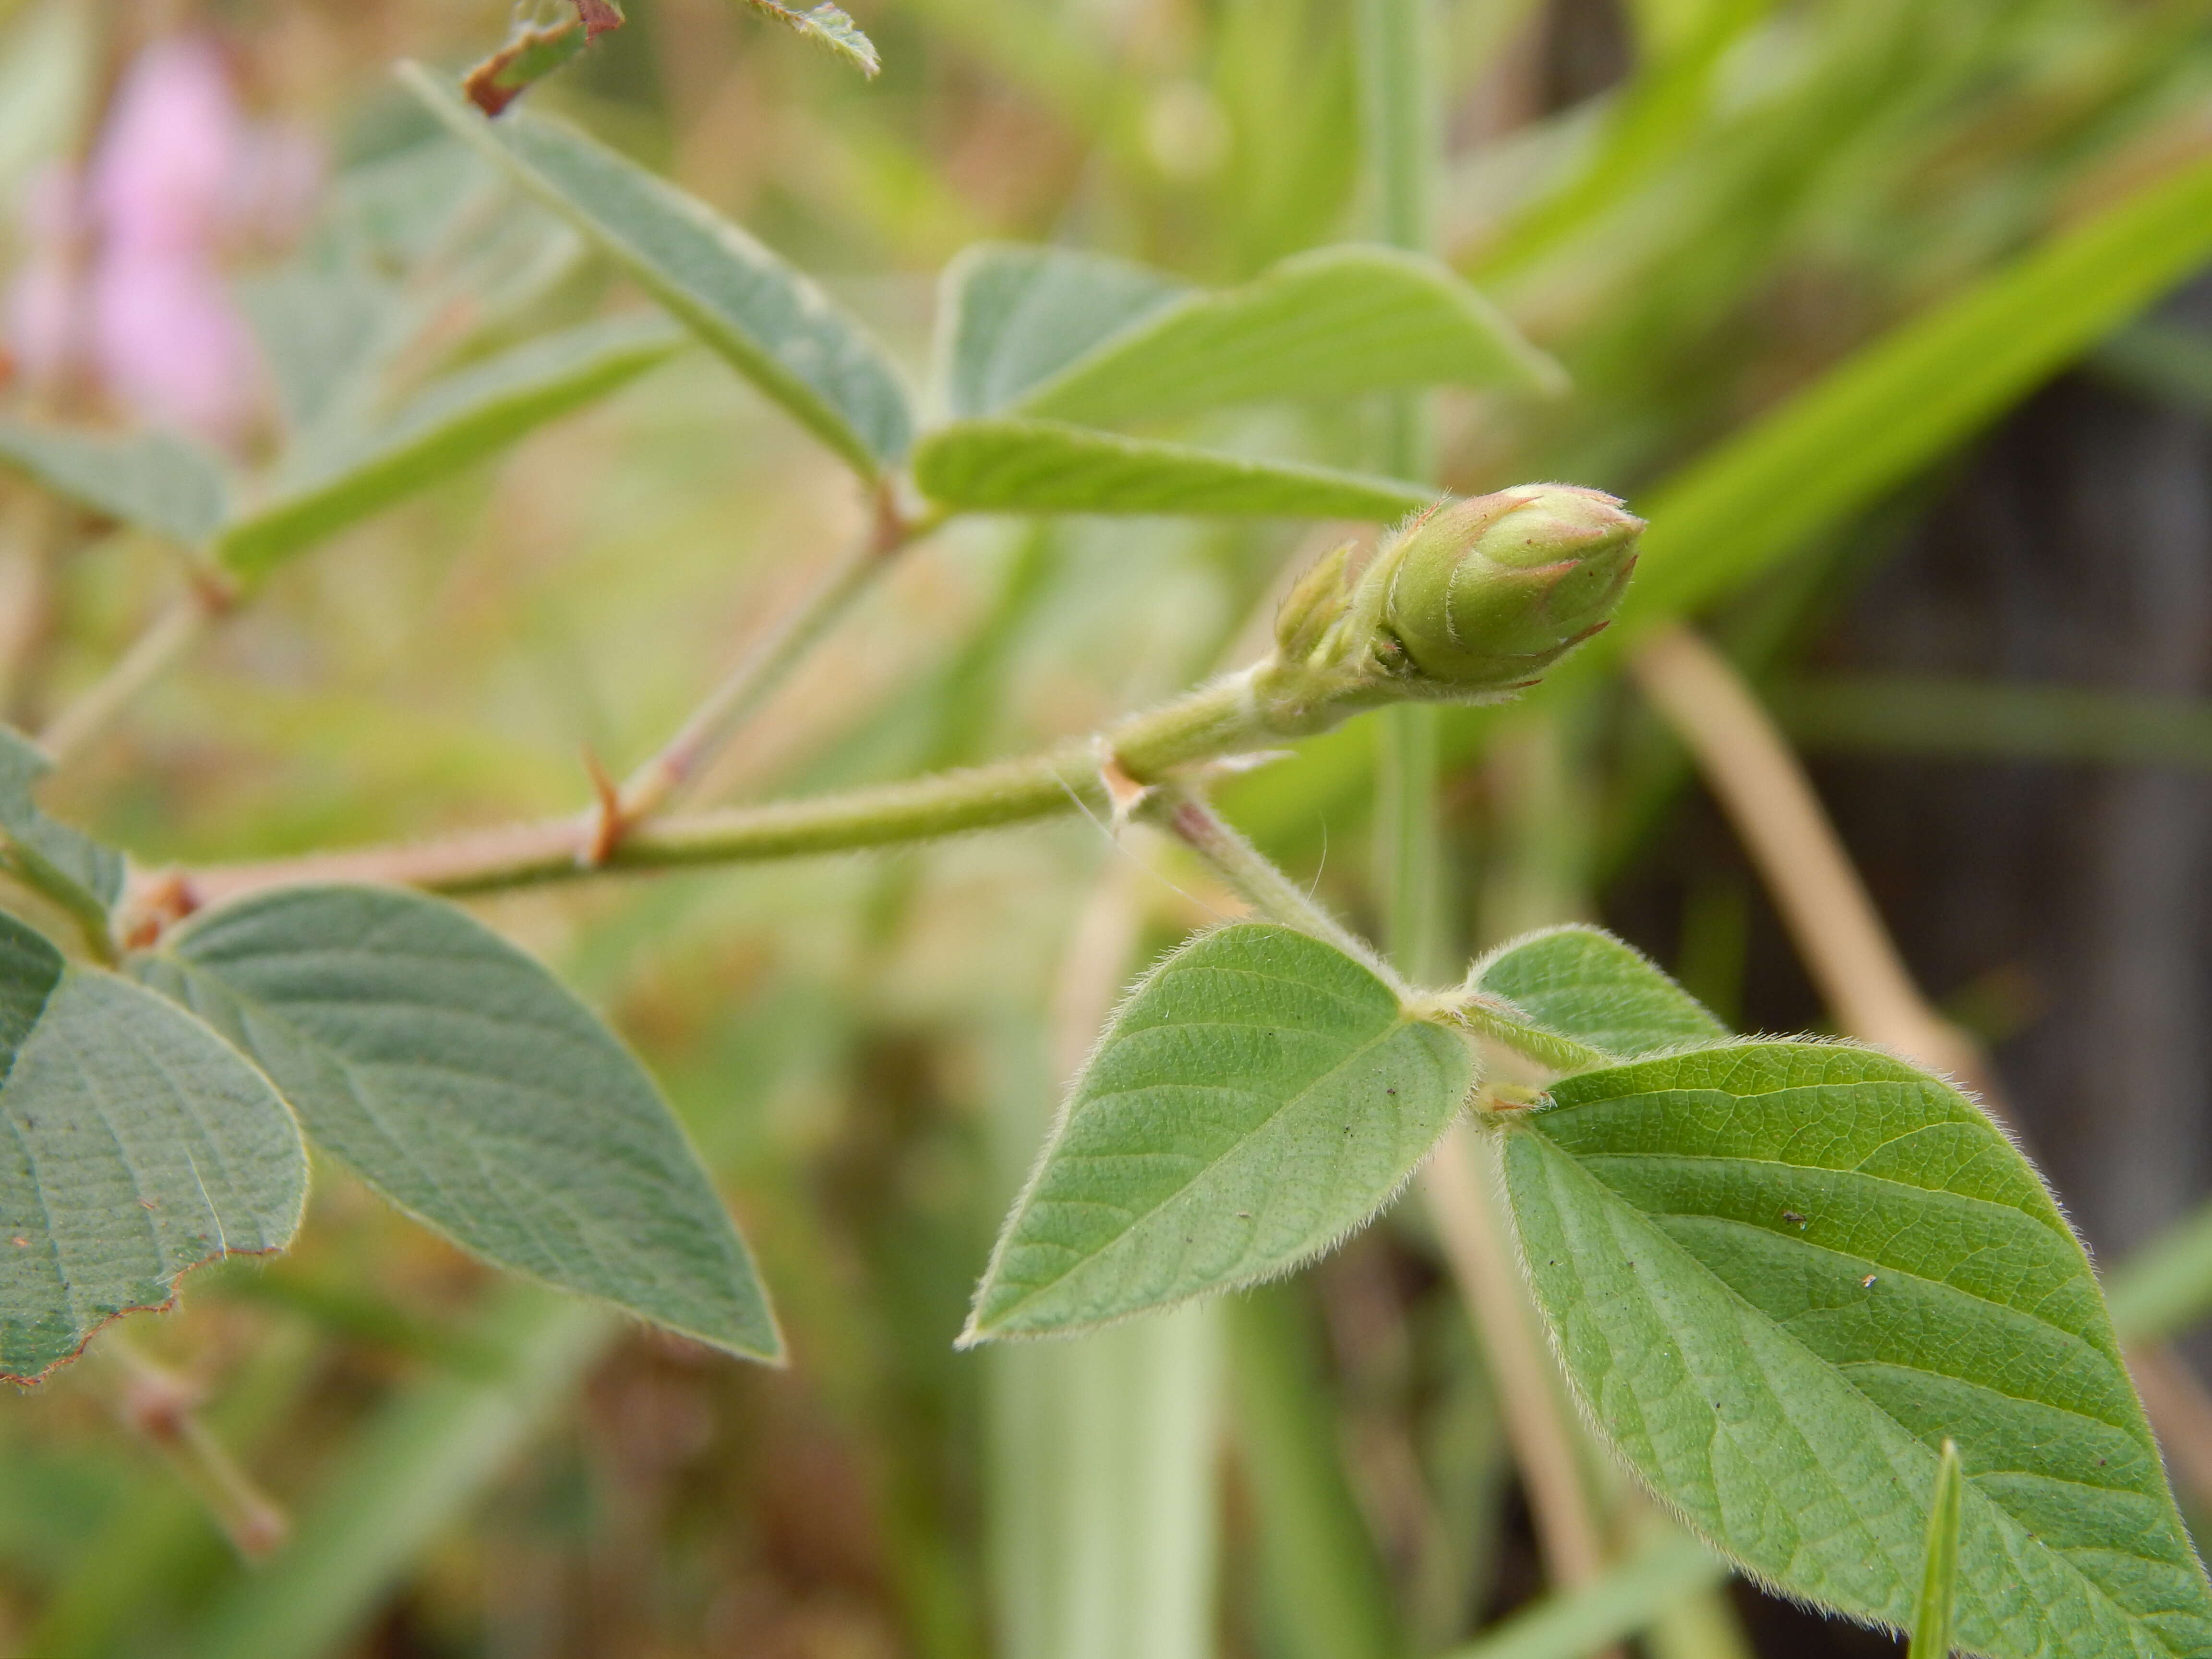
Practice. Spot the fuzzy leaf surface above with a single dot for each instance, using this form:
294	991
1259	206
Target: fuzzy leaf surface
1013	316
1259	1095
1584	983
465	1083
155	480
137	1145
1700	1229
1049	466
450	424
774	324
1332	323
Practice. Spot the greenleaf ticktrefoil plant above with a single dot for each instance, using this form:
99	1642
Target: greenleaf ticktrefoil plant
1793	1281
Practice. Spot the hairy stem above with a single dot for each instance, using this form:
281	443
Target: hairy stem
1253	873
161	1406
1218	719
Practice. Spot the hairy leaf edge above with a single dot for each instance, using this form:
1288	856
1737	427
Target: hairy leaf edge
973	1334
1521	1122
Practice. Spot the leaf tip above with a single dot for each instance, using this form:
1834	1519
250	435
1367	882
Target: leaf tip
975	1333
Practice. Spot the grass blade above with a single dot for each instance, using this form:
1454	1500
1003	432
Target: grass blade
411	1474
1939	1583
1899	403
1573	1625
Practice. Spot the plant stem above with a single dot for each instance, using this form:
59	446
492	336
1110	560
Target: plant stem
151	655
1400	129
1251	871
33	521
159	1404
1544	1448
1831	919
763	668
1403	137
1217	718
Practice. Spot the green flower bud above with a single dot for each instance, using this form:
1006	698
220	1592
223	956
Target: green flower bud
1485	595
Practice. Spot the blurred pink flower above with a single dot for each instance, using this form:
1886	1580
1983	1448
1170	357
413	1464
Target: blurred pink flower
45	317
123	278
168	153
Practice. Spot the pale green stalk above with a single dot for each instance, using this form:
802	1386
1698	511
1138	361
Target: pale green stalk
728	708
1215	719
1103	1505
158	649
1398	41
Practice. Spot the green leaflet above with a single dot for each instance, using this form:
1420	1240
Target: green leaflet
1081	337
774	324
1259	1095
1331	323
1013	316
1048	466
155	480
471	413
1700	1229
1584	983
138	1145
461	1079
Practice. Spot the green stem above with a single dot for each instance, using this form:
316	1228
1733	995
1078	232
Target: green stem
158	649
1409	851
1401	133
740	695
1251	871
1219	718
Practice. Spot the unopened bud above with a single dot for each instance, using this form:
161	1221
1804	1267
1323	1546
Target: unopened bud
1485	595
1467	602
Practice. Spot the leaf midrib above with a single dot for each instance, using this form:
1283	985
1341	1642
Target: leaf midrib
1227	1152
492	1176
